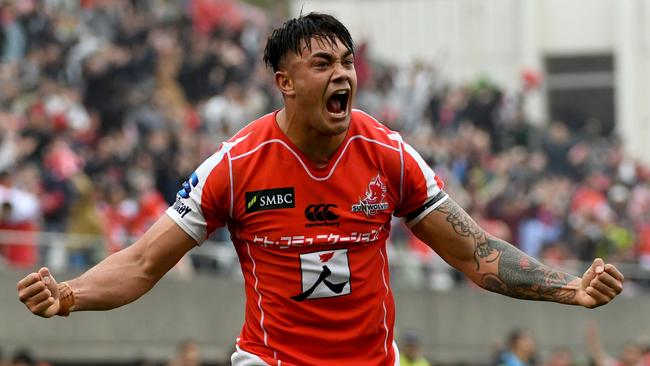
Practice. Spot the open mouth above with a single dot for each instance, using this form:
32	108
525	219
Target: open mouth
337	104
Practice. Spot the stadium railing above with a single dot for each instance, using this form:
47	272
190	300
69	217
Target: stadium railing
77	252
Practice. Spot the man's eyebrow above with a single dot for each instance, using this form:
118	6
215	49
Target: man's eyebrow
328	55
322	54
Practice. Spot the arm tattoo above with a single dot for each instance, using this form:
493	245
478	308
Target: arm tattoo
464	226
518	275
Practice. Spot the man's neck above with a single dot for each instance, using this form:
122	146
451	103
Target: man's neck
317	147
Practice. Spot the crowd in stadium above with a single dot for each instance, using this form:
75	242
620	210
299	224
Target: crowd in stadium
108	106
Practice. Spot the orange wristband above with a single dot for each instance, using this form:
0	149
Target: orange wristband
66	299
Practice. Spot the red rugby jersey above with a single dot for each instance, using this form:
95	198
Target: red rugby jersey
311	240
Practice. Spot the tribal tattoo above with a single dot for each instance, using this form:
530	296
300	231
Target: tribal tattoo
518	275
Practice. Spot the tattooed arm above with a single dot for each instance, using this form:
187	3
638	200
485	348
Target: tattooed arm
500	267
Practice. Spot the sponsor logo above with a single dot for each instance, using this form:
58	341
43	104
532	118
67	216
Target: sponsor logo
288	240
181	208
324	274
270	199
375	198
191	182
321	215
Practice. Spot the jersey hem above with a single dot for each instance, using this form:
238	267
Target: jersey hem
186	228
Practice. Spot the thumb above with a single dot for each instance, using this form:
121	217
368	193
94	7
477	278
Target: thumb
49	281
598	266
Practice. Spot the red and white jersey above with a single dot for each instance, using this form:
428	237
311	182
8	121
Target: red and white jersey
311	240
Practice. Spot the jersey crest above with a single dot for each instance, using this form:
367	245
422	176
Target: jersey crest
374	200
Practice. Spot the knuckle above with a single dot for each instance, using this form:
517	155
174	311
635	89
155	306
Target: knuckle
40	308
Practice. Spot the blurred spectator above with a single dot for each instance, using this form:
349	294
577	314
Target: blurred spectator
188	353
117	210
560	356
86	224
23	357
632	354
557	144
411	350
520	349
18	224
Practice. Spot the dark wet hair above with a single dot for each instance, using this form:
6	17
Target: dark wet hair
290	37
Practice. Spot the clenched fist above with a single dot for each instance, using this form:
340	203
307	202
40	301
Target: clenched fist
600	284
40	293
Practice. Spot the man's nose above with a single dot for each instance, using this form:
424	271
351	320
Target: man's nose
340	73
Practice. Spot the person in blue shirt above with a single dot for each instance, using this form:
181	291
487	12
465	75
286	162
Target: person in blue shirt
521	349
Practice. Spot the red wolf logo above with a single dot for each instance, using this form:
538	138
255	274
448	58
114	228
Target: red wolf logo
373	200
326	256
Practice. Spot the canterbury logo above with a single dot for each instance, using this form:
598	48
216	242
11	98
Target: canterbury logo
321	212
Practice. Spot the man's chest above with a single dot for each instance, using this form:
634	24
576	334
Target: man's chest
287	205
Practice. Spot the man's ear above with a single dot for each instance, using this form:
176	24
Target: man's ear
284	83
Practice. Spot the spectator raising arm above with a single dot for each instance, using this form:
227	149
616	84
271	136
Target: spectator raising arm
118	280
500	267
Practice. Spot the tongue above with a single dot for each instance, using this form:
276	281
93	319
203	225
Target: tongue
334	105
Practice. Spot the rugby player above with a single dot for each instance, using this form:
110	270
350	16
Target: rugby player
307	193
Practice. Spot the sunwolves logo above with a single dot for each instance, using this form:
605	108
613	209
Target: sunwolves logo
373	200
181	208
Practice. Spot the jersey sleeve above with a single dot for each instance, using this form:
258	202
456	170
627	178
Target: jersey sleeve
422	188
203	202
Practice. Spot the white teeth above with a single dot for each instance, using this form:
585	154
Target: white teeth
341	92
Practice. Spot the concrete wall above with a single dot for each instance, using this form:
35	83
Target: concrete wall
499	38
457	325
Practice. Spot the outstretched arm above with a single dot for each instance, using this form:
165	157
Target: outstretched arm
500	267
118	280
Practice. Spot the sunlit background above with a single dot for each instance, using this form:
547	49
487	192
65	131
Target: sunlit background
534	112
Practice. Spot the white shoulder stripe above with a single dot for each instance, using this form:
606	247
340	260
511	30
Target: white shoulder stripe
232	189
429	175
204	169
303	163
